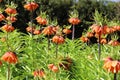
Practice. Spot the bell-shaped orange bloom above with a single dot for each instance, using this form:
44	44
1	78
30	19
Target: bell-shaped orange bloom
84	39
114	43
49	30
10	57
8	28
41	20
100	29
30	29
112	66
39	73
2	17
89	34
58	39
36	32
103	41
117	28
10	10
74	21
67	31
53	67
31	6
50	66
11	18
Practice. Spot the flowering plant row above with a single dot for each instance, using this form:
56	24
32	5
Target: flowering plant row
45	52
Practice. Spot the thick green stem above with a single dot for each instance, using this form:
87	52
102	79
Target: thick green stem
31	24
73	32
115	76
56	50
99	48
8	72
7	40
48	42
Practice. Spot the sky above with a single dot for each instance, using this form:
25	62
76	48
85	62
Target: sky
115	0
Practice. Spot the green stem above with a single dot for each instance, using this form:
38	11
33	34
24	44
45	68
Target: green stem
8	72
31	20
56	50
73	32
115	76
7	35
48	42
99	48
31	25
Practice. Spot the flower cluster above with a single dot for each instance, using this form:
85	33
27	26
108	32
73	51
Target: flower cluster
111	65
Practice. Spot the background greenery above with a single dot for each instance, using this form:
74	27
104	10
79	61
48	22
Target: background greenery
60	9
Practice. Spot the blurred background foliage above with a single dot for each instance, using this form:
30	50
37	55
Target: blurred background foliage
60	9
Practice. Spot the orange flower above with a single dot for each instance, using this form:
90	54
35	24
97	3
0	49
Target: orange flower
112	66
39	73
8	28
11	18
117	28
10	10
103	41
56	28
67	31
49	30
53	67
36	32
50	66
2	17
30	29
10	57
74	21
31	6
100	29
89	34
114	43
84	39
41	20
0	0
58	39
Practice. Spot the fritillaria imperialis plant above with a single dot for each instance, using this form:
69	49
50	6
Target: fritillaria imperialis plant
42	19
53	68
112	66
58	39
74	20
10	57
31	6
48	31
39	74
66	30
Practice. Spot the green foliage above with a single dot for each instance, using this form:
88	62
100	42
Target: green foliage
82	59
